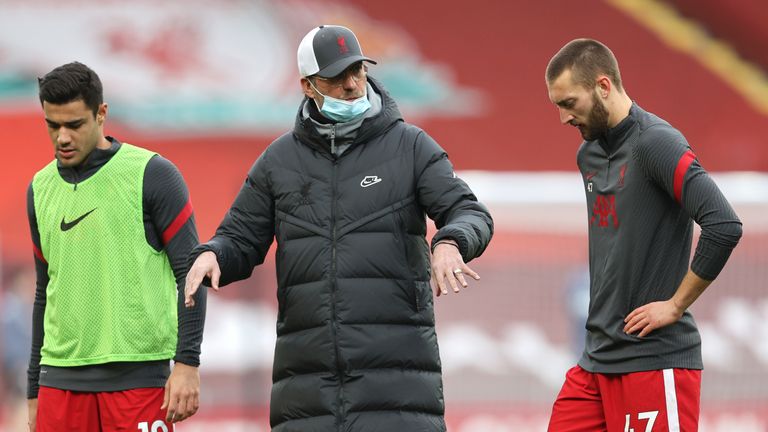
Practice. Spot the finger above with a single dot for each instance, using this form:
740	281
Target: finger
470	272
433	284
462	281
629	324
632	323
452	280
173	407
647	329
187	292
190	288
637	326
170	416
182	412
193	405
196	404
633	314
166	396
441	283
215	276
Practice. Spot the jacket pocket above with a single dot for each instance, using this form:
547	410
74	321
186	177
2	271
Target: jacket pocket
279	253
422	294
401	239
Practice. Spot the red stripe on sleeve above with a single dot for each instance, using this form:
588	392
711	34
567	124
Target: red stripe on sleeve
38	253
177	223
682	167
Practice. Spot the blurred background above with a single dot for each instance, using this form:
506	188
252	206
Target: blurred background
209	84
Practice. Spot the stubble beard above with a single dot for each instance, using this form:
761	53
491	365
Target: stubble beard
597	121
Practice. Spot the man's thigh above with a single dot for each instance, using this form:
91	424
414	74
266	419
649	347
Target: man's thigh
133	410
652	401
579	406
65	411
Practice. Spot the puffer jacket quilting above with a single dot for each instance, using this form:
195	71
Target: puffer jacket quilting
356	345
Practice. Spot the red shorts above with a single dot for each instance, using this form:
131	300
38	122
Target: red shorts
652	401
130	410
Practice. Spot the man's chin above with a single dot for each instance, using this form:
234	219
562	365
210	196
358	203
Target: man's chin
589	135
67	163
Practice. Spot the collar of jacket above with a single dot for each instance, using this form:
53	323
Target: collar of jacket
305	129
344	133
617	135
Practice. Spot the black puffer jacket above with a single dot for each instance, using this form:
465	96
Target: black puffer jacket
356	345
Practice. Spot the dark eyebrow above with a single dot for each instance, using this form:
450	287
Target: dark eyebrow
564	102
74	124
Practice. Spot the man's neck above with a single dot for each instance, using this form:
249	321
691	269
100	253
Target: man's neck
619	110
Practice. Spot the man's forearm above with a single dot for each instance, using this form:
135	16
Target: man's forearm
689	290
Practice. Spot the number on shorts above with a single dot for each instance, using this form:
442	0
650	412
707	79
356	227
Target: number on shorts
650	416
157	426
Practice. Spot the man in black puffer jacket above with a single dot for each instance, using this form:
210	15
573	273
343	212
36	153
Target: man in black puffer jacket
346	195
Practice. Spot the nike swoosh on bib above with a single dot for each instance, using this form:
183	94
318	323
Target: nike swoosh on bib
66	226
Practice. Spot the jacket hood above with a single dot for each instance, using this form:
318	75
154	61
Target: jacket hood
305	130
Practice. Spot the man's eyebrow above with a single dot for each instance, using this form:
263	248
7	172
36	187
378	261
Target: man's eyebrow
564	102
71	123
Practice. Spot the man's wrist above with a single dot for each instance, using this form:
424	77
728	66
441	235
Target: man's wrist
678	305
451	242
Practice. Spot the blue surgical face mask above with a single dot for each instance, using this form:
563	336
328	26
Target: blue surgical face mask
341	110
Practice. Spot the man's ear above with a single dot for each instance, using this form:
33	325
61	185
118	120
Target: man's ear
604	86
101	113
306	88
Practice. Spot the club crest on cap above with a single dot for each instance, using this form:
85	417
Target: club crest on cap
342	45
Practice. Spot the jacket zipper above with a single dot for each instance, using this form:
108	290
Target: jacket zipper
334	321
333	140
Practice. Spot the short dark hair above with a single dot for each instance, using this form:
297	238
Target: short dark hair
586	58
71	82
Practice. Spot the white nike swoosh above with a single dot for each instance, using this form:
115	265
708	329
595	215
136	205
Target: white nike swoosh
367	183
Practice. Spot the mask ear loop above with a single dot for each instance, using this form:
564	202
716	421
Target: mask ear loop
318	92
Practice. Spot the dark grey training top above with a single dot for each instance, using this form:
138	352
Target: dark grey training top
644	189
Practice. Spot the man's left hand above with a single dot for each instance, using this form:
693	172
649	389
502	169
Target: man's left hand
182	393
448	268
652	316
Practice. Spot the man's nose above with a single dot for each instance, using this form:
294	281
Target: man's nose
349	83
565	116
63	136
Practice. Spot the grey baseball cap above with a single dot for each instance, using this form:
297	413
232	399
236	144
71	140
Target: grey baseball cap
327	50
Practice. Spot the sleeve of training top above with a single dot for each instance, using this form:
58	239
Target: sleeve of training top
449	201
243	238
168	209
38	309
667	159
